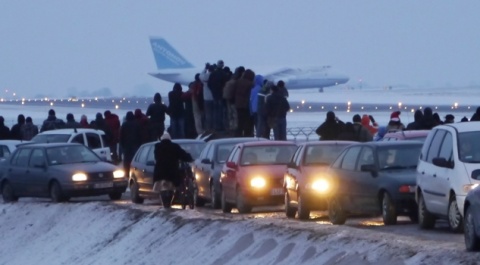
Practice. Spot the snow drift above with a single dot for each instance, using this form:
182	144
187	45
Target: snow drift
104	233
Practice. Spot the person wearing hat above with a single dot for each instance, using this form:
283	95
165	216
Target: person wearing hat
4	130
166	175
52	122
395	124
449	118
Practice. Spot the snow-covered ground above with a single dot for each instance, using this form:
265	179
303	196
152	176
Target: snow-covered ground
103	233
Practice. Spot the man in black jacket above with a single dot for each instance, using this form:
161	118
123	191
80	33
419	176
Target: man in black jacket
168	156
276	108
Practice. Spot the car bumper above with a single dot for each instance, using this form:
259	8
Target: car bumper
315	200
94	189
264	197
405	203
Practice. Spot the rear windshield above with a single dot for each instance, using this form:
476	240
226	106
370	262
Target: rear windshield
51	138
223	151
271	155
399	156
322	154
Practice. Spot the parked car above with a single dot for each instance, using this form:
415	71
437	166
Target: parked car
418	135
59	171
448	169
374	178
253	175
93	139
208	165
306	188
143	164
472	220
8	146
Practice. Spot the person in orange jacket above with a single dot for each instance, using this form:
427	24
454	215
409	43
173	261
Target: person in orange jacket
373	127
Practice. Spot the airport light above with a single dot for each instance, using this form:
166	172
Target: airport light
116	106
51	103
83	105
303	101
455	104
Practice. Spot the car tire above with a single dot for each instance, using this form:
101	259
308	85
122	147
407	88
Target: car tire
472	242
197	200
336	214
135	193
226	207
56	192
241	204
426	220
8	194
455	219
115	196
214	197
303	211
389	213
290	212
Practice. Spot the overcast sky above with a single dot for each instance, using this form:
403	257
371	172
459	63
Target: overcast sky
76	47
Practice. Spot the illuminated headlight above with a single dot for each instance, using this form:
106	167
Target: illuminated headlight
79	177
469	187
118	174
257	182
321	185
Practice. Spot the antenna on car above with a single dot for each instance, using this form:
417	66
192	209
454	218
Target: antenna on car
75	130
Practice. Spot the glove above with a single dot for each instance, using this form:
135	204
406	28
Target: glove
371	118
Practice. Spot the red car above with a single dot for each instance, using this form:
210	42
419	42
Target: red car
305	186
253	175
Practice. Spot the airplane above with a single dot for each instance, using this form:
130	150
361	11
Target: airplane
173	67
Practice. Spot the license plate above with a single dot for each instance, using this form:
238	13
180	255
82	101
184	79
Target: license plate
103	185
276	191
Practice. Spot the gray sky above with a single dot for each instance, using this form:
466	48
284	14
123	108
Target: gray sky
73	47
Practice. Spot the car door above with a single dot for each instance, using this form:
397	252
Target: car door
17	169
94	142
202	171
140	166
443	174
294	174
364	183
37	173
147	176
347	192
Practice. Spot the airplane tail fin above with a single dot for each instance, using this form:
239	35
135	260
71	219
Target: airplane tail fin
166	56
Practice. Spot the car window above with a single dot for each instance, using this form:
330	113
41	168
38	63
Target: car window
223	150
204	152
269	154
151	154
322	154
93	140
234	155
51	138
21	157
435	145
398	156
70	154
338	161
366	157
350	158
298	155
194	149
209	154
446	151
468	147
142	155
78	139
4	151
37	158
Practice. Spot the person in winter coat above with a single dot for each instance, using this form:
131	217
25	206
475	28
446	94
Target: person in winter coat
331	128
100	124
263	127
449	118
348	133
207	97
395	124
373	127
143	123
4	130
276	108
29	130
156	112
416	124
282	88
254	104
428	122
242	103
84	122
130	140
167	159
71	123
476	115
177	112
382	130
15	132
113	124
52	122
196	88
229	96
362	133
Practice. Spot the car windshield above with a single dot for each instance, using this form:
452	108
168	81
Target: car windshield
223	151
322	154
193	148
468	147
398	156
418	138
270	154
51	138
70	155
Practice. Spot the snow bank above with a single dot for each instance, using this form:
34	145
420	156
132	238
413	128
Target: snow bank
103	233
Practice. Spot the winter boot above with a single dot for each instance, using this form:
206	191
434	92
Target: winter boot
166	196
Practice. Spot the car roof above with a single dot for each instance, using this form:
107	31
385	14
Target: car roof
330	142
470	126
268	142
13	142
49	144
391	143
71	130
235	140
178	141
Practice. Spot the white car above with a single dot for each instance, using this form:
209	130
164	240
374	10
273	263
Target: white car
8	146
94	139
448	168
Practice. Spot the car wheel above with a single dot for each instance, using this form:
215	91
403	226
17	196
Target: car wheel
425	219
135	193
472	242
455	219
8	194
389	214
336	214
289	210
115	196
197	200
56	192
303	211
226	207
242	205
215	198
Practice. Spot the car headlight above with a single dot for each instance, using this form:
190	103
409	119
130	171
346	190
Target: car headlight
469	187
79	177
320	185
118	174
258	182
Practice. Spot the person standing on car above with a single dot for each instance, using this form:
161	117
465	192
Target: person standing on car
168	155
276	107
331	128
29	130
52	122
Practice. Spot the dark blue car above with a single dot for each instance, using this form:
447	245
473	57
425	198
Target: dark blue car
472	219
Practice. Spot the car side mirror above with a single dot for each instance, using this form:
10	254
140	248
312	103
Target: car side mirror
369	168
231	165
292	165
442	162
206	161
150	163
